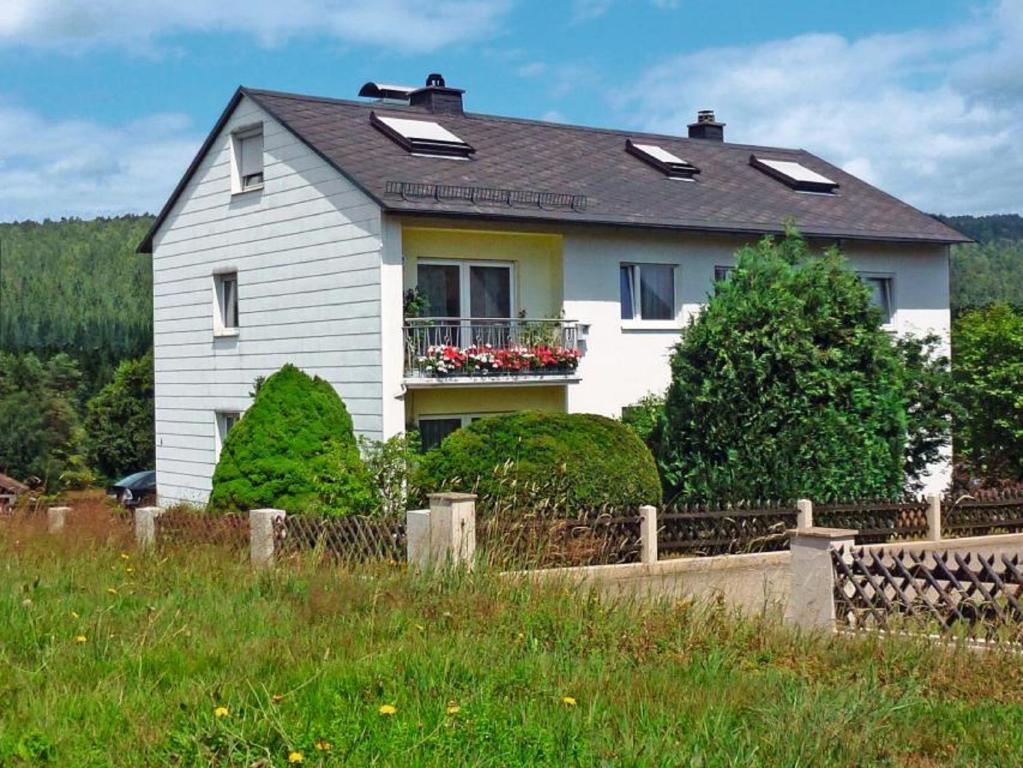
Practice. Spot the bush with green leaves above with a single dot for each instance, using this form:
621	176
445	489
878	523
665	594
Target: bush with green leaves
119	421
392	465
560	462
988	374
293	449
786	385
645	417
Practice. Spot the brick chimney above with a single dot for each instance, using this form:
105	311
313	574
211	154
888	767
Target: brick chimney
706	127
437	97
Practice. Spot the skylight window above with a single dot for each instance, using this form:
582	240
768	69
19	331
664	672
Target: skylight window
667	163
422	137
796	175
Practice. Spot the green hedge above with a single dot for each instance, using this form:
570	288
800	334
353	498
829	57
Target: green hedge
563	461
294	449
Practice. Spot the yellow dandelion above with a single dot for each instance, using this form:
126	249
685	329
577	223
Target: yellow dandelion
454	709
111	591
387	709
74	615
568	701
324	746
277	698
129	569
80	638
296	757
221	712
125	556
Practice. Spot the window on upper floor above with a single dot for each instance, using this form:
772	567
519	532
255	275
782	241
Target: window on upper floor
247	159
880	287
225	297
647	291
466	289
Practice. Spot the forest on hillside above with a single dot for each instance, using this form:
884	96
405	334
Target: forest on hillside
989	271
76	287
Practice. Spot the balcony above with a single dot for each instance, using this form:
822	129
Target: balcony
463	351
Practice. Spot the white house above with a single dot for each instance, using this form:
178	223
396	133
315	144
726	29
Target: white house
302	222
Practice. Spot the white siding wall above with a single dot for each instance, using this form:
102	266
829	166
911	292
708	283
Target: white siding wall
622	364
307	252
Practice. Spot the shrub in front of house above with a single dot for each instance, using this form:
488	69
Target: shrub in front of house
787	385
294	449
537	461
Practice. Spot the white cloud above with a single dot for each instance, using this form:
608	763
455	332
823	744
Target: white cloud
585	10
407	25
935	117
81	168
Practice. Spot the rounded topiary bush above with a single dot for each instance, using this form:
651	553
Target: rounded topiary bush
558	461
294	449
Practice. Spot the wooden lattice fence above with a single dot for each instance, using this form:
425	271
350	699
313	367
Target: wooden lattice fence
982	514
947	592
178	527
598	538
877	522
707	531
351	539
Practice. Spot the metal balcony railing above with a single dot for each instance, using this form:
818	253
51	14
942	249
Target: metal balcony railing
440	347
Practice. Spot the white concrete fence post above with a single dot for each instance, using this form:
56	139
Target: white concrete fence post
145	525
934	517
812	588
56	518
648	534
445	534
261	535
417	538
804	513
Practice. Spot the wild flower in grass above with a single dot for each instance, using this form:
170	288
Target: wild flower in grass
323	746
568	701
74	615
125	556
221	712
27	602
277	698
111	591
453	709
420	627
387	709
129	569
80	639
296	757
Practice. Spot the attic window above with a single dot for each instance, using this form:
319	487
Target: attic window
422	137
794	174
247	159
669	164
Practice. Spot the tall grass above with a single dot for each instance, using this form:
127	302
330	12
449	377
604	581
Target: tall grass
108	657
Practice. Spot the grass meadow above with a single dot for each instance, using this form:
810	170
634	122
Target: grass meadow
189	658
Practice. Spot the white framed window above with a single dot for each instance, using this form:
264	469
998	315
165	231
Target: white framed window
225	304
463	289
247	159
433	429
224	422
882	293
647	292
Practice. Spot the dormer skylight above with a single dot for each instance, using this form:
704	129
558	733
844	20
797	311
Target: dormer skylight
422	137
794	174
667	163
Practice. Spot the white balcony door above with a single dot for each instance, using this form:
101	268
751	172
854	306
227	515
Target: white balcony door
466	289
460	290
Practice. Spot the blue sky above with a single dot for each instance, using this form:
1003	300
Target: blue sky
103	102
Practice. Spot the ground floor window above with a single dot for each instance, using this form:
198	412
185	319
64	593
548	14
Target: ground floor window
433	429
225	421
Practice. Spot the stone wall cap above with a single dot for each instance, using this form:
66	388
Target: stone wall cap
823	533
451	496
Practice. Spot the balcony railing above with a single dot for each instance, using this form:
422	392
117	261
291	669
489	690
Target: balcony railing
446	347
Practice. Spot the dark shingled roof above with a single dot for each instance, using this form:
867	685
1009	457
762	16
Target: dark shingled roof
729	195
